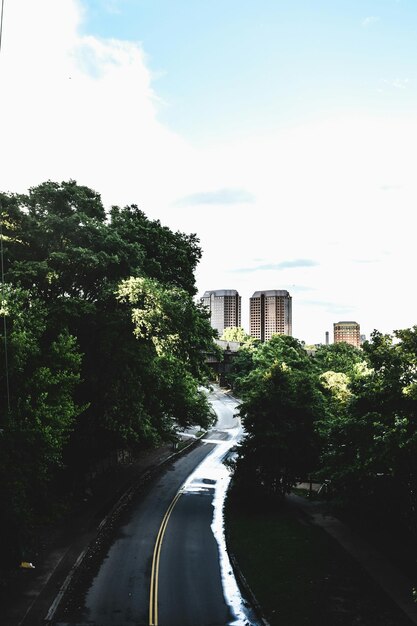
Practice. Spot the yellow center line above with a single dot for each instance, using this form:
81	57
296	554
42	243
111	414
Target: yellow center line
153	597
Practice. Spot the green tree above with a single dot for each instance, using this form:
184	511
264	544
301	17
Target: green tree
237	333
43	371
369	445
81	382
281	402
62	246
180	334
339	357
171	258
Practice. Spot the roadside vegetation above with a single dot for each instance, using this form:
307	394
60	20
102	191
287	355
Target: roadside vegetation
101	348
299	575
346	416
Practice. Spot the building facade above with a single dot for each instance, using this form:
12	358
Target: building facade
270	313
225	308
349	332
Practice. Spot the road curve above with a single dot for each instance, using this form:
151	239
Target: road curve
168	565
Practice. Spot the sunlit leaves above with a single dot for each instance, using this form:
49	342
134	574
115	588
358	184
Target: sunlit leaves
167	317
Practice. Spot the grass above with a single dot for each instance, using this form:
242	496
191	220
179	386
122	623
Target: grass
300	575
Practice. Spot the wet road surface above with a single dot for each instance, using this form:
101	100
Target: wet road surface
167	565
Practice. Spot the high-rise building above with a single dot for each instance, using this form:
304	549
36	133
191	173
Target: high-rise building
349	332
225	308
270	313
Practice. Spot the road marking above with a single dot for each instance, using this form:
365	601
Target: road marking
153	596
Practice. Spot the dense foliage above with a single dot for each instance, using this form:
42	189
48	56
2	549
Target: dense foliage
346	415
105	345
280	405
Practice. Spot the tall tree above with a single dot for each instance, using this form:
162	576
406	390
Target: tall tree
370	444
180	334
63	248
281	403
339	357
81	382
43	371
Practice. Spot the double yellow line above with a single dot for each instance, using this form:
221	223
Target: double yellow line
153	597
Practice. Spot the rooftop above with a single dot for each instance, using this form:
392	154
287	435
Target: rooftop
220	292
271	292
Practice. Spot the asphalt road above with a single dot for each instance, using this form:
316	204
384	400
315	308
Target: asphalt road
167	565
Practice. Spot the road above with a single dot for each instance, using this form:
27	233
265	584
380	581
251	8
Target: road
168	564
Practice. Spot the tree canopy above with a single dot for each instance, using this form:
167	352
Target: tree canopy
105	343
346	415
280	405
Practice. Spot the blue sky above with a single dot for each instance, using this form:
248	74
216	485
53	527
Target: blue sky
232	66
282	132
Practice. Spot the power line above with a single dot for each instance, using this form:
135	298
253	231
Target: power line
1	21
6	358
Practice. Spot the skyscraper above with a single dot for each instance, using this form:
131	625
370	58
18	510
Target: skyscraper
349	332
270	313
225	308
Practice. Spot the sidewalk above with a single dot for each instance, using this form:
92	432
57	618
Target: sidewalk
35	590
393	582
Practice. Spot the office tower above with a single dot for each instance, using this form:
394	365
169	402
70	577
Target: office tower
270	313
225	308
349	332
327	337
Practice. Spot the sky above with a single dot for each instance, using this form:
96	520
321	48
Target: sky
282	132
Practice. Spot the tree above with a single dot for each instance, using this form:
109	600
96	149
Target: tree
43	374
82	384
171	258
339	357
62	246
237	333
370	444
180	334
281	403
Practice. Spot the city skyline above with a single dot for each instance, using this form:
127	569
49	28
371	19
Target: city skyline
269	313
284	135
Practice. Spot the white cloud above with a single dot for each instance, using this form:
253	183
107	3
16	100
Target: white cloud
76	106
219	197
371	19
396	83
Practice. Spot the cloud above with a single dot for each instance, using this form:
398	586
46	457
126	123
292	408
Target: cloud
220	196
87	111
296	263
371	19
396	83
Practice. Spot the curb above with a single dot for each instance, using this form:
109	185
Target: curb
243	584
121	502
240	578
